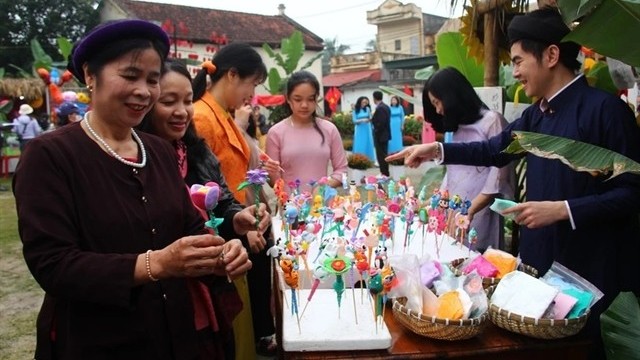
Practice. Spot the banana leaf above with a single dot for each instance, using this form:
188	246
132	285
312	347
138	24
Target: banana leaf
275	81
424	73
65	46
312	60
577	155
452	52
599	77
401	94
432	178
609	27
620	325
40	57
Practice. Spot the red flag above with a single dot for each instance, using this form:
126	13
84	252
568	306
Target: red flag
269	100
333	97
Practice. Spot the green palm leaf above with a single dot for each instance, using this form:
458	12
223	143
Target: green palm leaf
432	178
424	73
577	155
621	327
603	21
452	52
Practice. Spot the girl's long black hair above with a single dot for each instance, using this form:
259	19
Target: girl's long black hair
462	105
239	57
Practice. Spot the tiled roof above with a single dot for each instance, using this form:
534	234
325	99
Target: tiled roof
352	77
238	26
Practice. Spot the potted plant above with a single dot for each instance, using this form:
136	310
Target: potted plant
358	165
396	169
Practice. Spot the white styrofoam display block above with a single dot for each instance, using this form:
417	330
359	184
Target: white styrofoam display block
324	327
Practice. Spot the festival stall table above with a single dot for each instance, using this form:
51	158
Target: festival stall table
350	325
493	343
330	332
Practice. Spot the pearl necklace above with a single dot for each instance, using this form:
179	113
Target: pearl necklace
113	153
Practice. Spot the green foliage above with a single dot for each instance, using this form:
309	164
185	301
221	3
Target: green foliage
359	162
278	113
331	49
609	27
344	123
291	52
65	46
276	85
432	178
40	58
413	128
401	94
311	61
620	325
5	107
452	52
44	20
599	77
424	73
512	91
293	49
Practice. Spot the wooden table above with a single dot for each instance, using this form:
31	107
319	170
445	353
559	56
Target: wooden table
494	344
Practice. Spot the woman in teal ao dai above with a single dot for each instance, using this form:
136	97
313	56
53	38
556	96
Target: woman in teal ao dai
363	133
397	124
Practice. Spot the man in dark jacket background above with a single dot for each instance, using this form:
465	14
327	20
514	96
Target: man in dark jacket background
381	131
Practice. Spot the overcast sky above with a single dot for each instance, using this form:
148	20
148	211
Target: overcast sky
344	19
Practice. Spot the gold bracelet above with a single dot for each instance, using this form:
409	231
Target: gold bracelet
147	261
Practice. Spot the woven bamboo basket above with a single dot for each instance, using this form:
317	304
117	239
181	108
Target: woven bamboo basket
436	328
536	328
491	281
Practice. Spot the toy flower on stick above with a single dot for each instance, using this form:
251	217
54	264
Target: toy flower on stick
205	197
255	178
290	269
319	274
338	266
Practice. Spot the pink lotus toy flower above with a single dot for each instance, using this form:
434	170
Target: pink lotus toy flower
205	196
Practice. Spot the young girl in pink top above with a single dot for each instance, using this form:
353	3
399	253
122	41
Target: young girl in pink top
304	144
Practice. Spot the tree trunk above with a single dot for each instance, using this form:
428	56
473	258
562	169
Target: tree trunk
491	61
